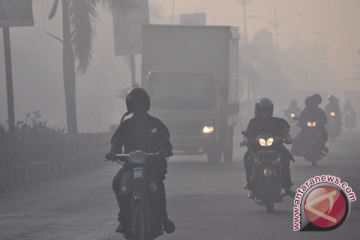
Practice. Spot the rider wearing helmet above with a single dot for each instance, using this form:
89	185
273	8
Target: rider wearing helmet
140	132
333	105
313	111
263	122
293	110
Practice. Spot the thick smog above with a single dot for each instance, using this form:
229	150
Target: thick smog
196	119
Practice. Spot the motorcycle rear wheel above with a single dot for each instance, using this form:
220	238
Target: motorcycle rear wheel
313	162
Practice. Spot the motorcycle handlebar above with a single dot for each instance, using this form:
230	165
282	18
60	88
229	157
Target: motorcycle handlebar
121	158
128	154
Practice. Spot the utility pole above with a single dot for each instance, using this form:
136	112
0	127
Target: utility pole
276	26
172	11
244	3
9	81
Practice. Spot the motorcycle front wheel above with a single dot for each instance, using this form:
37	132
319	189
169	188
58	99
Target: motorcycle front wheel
268	201
139	228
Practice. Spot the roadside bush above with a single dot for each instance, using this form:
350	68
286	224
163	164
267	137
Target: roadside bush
34	140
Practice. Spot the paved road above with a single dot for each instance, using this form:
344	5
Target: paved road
205	201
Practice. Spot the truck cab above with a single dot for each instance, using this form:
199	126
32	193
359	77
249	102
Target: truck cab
188	104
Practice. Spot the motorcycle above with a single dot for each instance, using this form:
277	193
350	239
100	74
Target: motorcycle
266	174
294	128
140	184
308	143
350	120
334	125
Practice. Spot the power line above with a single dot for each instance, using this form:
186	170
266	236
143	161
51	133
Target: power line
193	5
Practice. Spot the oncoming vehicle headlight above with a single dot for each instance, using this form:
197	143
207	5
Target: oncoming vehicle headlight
311	124
262	142
332	114
208	129
292	115
269	142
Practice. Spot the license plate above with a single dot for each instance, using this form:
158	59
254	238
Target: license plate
266	152
137	174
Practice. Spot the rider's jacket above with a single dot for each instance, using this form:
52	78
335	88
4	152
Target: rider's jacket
272	125
144	137
313	113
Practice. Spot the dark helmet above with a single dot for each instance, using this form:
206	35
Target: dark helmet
293	103
137	95
264	104
317	99
309	102
332	98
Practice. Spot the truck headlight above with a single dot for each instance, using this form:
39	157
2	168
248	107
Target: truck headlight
208	129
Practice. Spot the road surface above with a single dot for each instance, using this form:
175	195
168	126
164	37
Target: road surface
205	201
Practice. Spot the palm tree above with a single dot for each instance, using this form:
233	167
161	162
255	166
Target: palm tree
79	18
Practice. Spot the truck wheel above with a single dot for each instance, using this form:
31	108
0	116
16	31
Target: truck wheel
228	151
214	153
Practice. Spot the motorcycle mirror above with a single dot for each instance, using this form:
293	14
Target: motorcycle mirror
286	130
245	133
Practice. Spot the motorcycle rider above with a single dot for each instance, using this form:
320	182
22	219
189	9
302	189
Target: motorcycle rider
263	122
350	115
334	106
313	111
140	132
348	107
292	109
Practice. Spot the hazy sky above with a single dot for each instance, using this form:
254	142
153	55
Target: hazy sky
37	57
337	21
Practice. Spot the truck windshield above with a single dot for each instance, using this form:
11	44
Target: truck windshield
182	90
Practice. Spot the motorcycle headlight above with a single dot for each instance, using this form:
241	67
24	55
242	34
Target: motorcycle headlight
208	129
262	142
314	124
269	142
309	124
332	114
137	158
292	115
